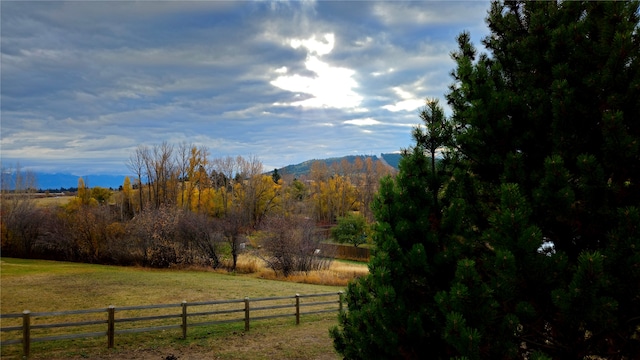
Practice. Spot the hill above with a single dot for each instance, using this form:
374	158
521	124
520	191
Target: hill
304	168
47	181
392	159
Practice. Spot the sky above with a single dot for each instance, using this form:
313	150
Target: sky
84	83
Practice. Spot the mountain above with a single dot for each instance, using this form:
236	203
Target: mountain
392	159
304	168
67	181
48	181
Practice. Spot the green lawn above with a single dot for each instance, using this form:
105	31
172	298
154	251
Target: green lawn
39	286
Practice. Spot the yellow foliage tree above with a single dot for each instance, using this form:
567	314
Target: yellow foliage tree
258	196
333	198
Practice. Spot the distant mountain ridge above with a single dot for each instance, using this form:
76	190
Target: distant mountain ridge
67	181
304	168
57	181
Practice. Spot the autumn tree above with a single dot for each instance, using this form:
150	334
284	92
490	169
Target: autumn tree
318	176
332	193
84	194
163	167
86	226
21	220
101	195
182	168
225	169
296	194
126	200
370	172
199	180
258	197
254	192
154	232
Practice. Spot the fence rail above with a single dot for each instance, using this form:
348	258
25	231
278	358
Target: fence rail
206	312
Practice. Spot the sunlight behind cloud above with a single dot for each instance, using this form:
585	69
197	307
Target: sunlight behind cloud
332	87
363	122
85	82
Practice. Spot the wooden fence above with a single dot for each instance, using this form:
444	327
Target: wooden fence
102	322
346	252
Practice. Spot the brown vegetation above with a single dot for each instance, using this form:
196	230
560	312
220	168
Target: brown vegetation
184	208
45	286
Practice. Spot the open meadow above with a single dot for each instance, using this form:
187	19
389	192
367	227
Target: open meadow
39	286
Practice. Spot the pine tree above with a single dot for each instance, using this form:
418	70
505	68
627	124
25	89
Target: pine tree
552	117
531	247
391	312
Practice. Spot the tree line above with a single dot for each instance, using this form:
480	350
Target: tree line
183	207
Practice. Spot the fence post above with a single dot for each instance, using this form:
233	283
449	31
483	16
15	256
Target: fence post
111	326
26	333
184	319
246	314
340	299
297	309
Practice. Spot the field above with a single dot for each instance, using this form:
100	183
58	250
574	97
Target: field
42	200
52	201
55	286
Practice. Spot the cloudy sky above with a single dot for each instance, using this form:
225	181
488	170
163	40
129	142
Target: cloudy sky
83	83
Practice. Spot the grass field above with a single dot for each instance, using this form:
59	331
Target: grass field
55	286
42	200
53	201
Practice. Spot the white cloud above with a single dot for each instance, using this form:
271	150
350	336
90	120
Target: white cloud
331	87
314	46
409	101
363	122
430	12
379	73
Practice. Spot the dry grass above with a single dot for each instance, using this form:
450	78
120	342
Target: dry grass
40	285
277	339
57	286
339	273
52	201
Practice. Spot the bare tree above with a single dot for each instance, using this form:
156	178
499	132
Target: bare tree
182	167
370	171
232	227
137	162
200	238
21	219
291	244
164	174
154	232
